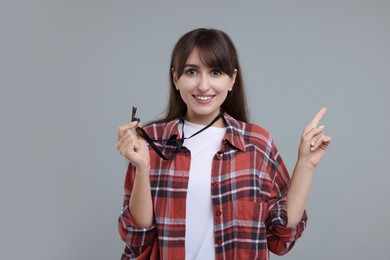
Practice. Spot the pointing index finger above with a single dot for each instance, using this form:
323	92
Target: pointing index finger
316	119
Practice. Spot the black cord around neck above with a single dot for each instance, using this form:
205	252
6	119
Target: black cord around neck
179	142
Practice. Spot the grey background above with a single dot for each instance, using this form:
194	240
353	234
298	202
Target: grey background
71	70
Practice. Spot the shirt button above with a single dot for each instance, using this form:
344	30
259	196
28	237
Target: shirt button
218	213
215	184
219	242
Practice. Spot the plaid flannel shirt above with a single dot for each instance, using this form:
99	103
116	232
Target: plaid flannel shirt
249	183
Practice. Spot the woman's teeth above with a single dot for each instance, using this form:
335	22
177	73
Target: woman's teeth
203	98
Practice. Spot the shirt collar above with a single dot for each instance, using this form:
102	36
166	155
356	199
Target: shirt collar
172	128
234	132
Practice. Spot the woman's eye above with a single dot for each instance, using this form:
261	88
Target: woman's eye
191	72
216	72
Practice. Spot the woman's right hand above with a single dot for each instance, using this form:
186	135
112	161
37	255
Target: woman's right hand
133	147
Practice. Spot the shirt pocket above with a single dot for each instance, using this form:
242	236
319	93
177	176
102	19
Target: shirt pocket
247	210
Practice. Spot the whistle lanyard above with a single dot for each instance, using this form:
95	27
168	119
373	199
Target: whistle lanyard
173	139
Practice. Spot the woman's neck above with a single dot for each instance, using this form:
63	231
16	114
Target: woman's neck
205	120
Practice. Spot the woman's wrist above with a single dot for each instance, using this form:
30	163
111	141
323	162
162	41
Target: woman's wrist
143	171
304	165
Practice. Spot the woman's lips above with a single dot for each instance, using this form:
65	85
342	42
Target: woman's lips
203	99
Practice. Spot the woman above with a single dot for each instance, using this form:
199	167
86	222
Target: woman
224	191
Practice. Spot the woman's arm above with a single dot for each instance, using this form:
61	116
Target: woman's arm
140	204
311	150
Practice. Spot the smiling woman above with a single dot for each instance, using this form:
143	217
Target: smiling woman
203	89
223	194
213	51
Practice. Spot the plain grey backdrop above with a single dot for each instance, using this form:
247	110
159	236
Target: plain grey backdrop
70	71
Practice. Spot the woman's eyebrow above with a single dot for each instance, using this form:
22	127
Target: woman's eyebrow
191	65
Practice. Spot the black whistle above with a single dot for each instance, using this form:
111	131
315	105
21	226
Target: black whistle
133	118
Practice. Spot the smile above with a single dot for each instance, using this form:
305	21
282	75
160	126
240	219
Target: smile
203	98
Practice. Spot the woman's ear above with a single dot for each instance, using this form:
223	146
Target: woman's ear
174	78
233	79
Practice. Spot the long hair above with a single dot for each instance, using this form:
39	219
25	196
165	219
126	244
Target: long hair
216	51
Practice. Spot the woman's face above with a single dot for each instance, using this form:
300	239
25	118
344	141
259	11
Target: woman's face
203	89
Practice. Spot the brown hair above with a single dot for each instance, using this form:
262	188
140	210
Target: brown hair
216	51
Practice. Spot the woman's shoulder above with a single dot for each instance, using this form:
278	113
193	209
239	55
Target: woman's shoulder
249	130
254	134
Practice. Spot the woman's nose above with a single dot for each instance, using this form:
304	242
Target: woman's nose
204	84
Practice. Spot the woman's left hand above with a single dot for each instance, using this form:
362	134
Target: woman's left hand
313	141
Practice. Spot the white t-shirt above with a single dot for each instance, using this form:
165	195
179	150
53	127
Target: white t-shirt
199	238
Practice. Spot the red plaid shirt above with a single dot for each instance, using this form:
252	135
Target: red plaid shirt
248	186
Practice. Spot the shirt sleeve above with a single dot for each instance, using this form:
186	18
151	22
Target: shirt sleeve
137	239
280	237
